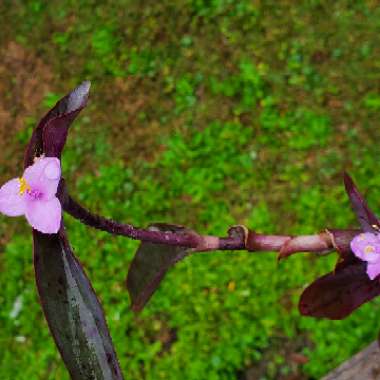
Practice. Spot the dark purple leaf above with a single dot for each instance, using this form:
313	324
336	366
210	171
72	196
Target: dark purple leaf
150	265
366	217
49	136
72	310
339	293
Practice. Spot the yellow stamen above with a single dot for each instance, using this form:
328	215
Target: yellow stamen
369	249
24	186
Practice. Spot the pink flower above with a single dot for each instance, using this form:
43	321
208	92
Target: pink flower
366	247
33	195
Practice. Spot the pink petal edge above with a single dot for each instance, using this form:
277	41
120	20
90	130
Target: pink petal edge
44	176
11	202
359	244
44	216
373	270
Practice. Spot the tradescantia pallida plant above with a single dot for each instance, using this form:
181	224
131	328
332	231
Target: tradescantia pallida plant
71	307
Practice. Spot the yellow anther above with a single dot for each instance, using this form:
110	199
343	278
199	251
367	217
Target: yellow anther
369	249
24	186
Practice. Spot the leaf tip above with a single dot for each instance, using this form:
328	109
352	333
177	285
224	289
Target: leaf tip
348	182
78	97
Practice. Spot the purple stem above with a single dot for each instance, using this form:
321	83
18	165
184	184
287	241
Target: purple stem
239	238
116	228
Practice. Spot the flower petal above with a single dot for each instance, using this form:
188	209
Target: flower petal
44	176
366	247
44	216
373	270
11	202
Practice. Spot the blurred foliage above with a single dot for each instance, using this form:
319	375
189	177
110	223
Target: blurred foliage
207	114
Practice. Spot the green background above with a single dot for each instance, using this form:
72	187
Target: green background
207	114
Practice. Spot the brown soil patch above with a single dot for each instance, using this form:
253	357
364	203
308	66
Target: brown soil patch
132	103
24	80
293	359
157	329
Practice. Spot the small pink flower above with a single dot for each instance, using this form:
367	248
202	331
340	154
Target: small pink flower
33	195
366	247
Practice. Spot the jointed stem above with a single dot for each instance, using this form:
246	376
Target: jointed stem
239	238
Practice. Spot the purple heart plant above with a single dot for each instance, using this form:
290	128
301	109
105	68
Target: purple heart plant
71	307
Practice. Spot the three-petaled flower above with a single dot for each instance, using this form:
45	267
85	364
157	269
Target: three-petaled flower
34	195
366	247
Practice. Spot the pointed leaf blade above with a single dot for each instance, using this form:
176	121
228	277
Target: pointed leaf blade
50	135
150	265
74	314
366	217
337	294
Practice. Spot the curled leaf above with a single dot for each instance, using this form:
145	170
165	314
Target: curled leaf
50	135
150	265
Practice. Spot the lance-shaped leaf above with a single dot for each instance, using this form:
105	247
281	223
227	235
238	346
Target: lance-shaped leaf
339	293
366	217
50	135
150	265
73	312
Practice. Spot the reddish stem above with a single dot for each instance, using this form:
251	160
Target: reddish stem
239	238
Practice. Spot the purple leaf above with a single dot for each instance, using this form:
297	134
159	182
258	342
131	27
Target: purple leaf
72	310
49	136
339	293
366	217
150	265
